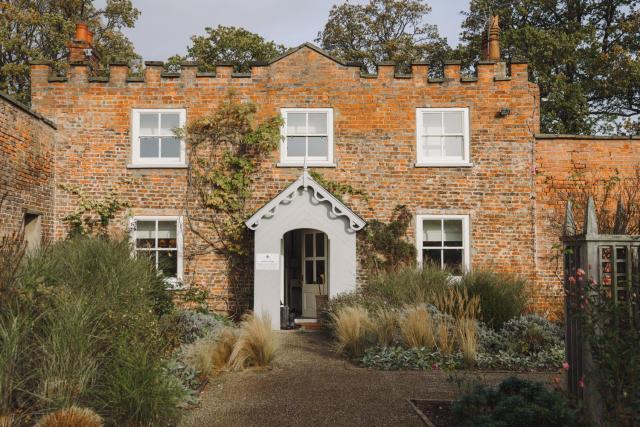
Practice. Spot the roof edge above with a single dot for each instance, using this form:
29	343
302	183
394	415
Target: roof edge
578	137
315	49
20	106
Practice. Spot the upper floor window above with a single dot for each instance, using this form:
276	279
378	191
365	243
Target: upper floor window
442	136
443	241
160	238
307	133
154	140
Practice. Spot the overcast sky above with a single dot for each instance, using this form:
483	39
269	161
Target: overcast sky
165	26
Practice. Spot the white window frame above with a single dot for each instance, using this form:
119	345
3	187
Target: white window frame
175	283
136	160
422	160
311	161
466	247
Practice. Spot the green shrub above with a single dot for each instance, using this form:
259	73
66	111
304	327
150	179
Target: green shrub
515	402
15	348
136	389
83	318
406	286
414	359
187	326
502	296
524	343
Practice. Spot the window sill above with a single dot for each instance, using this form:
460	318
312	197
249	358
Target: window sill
444	165
309	165
156	166
174	284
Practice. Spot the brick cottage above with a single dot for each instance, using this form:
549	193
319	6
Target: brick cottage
462	153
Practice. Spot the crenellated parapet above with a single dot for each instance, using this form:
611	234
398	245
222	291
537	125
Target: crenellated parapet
154	73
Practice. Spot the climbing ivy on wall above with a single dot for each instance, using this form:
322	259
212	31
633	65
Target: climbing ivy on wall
385	247
91	215
336	188
225	148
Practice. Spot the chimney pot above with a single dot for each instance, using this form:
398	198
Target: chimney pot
493	53
82	32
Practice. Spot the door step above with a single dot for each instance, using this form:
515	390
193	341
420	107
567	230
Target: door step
307	324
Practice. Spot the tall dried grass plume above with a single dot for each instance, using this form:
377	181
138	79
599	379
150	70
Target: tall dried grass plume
71	417
256	345
351	328
417	327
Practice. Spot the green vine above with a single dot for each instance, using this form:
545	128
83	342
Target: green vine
92	216
336	188
225	149
385	246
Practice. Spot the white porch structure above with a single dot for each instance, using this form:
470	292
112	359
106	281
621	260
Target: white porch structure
304	204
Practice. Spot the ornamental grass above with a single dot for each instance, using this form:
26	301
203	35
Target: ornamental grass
71	417
417	327
352	326
256	345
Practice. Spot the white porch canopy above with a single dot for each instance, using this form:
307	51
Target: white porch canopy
304	204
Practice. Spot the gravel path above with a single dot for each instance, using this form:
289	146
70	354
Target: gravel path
312	386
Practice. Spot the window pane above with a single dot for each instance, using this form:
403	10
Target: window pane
168	263
308	245
149	124
296	146
319	245
432	229
453	260
432	123
453	122
296	123
317	123
453	232
308	271
320	276
170	121
318	146
149	147
433	257
167	234
170	147
453	147
432	147
145	234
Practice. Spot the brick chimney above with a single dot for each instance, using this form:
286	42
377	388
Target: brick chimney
81	49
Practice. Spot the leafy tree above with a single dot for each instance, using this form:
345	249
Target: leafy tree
41	29
383	30
229	44
582	53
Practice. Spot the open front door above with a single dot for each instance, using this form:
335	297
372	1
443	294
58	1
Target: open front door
314	270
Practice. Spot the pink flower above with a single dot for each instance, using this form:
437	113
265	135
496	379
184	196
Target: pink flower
580	272
565	365
581	383
435	367
572	280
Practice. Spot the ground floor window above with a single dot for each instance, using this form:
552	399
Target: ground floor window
160	238
443	240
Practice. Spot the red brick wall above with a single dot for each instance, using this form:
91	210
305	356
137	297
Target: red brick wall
374	138
557	159
26	167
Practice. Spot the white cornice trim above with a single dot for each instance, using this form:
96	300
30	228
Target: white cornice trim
319	193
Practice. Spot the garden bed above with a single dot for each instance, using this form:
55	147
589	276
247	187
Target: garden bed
434	413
